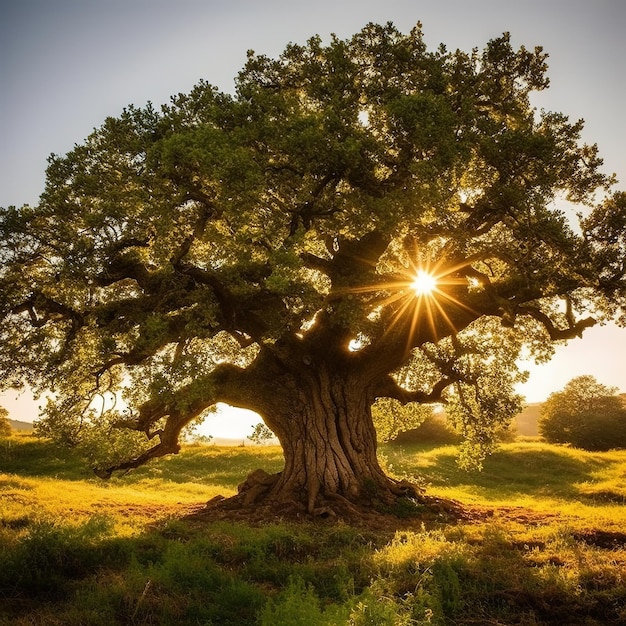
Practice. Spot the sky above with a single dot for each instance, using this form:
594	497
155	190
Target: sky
65	65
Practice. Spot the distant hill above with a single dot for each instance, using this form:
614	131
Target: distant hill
526	422
17	425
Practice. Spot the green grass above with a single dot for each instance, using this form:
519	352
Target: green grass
586	488
547	545
517	468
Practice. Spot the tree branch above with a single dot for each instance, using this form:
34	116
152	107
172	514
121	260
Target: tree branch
316	263
168	444
575	329
389	388
220	385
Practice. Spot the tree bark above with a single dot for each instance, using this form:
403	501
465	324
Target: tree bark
323	420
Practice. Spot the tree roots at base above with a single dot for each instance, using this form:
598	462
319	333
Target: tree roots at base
257	503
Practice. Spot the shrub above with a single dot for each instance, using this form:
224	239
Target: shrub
585	414
297	605
434	429
5	425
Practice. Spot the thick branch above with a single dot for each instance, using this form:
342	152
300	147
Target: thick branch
220	385
190	400
305	213
207	213
316	263
39	302
168	444
575	329
389	388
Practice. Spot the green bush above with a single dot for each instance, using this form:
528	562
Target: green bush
297	605
585	414
433	430
5	425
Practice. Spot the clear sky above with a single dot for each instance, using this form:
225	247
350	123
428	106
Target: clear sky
67	64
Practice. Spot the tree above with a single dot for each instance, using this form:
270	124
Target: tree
261	434
585	414
5	425
361	219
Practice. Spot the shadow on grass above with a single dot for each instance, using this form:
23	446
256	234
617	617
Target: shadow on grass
210	465
511	470
31	457
222	573
232	574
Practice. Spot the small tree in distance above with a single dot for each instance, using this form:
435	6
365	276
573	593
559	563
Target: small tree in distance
5	425
261	434
362	219
585	414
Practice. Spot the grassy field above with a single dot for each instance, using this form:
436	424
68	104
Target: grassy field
545	543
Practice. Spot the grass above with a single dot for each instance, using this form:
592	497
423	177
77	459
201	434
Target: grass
78	551
585	488
38	477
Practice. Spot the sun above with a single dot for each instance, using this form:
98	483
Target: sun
424	283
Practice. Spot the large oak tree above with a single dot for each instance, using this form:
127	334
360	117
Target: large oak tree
362	220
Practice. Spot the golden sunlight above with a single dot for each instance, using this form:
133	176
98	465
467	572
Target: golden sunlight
421	296
424	283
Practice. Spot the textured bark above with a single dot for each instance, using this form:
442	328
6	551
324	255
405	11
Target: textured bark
323	421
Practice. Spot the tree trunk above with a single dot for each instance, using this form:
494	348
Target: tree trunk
323	421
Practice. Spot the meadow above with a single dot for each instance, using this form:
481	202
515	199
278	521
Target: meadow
542	541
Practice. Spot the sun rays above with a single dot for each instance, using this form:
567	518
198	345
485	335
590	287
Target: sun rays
421	303
419	299
424	283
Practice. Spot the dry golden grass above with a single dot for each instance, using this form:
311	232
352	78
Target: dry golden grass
546	544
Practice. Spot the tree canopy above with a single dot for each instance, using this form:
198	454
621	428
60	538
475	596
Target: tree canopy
263	249
586	414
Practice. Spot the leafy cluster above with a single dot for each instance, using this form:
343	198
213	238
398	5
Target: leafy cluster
180	256
586	414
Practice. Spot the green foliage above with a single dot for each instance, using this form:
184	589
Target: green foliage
5	425
261	434
97	437
483	402
585	414
392	418
224	246
297	605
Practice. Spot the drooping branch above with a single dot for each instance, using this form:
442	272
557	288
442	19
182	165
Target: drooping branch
178	409
389	388
168	444
574	329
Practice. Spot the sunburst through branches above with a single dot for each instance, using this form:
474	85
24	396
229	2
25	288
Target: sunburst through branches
421	301
417	299
424	283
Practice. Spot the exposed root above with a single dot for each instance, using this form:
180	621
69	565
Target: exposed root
257	485
404	488
258	502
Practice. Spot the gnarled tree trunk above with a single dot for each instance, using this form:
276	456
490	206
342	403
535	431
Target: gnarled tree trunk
323	420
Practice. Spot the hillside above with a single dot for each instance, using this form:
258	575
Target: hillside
536	538
20	426
526	423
